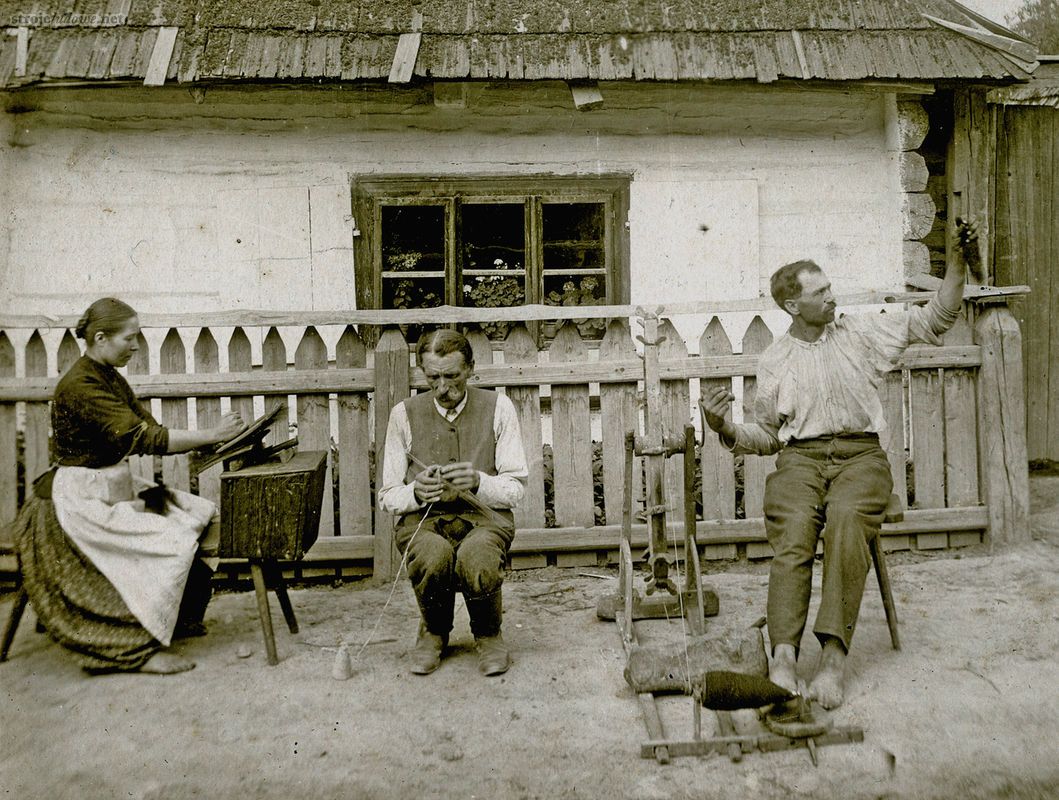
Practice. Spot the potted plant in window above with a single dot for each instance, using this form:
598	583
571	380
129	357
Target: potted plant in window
573	294
495	291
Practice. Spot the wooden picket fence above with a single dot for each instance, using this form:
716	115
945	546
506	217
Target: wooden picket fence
955	417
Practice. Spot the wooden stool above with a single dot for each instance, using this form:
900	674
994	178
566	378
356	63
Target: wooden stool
21	598
894	513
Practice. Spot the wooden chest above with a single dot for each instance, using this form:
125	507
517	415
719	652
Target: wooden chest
272	510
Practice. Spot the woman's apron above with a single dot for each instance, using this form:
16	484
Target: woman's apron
146	556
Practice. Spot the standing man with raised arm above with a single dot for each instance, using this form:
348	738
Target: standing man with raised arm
453	469
818	406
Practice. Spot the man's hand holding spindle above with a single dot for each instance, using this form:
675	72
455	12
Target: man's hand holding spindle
428	485
461	475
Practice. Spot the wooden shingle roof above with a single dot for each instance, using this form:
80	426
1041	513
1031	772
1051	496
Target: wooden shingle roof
756	40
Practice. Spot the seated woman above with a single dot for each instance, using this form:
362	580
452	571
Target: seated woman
109	579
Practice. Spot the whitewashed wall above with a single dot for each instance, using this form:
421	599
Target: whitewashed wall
243	201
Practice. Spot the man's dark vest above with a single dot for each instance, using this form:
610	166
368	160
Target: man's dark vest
469	437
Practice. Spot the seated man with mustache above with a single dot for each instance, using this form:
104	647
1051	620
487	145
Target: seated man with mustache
818	406
453	469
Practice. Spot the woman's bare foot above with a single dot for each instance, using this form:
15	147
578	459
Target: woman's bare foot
163	663
828	687
783	671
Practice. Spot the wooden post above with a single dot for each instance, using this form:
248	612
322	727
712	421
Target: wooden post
1002	456
391	387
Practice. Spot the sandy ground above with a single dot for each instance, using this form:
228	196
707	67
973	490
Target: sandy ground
968	709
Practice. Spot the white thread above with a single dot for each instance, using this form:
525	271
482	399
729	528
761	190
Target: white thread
396	580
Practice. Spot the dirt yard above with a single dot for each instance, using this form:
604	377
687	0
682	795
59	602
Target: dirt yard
968	709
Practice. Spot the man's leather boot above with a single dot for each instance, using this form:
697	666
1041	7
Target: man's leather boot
426	655
486	614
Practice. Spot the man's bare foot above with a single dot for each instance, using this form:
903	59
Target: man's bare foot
828	686
783	671
163	663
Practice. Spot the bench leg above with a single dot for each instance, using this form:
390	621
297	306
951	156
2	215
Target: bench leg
878	558
263	612
280	588
21	598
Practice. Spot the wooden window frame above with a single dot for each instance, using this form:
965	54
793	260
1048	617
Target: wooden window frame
370	194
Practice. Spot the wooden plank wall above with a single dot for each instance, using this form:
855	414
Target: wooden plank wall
340	393
1027	252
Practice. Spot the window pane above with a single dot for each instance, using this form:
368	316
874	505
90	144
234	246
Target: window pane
413	238
574	235
493	235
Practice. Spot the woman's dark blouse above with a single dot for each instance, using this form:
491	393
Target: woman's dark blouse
97	420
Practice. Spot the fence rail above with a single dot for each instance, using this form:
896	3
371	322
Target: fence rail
948	410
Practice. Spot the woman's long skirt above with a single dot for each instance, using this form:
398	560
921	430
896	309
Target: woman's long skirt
80	608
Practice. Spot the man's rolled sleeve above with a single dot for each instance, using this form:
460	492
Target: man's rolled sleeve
760	437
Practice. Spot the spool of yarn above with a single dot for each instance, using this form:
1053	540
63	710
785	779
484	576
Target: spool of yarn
342	669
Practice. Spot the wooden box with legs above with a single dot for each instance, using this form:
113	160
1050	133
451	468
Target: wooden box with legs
270	512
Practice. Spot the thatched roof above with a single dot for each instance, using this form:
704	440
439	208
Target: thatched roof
757	40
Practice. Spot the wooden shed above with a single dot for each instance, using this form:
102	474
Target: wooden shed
1027	240
273	184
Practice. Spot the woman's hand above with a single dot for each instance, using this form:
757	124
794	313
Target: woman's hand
231	426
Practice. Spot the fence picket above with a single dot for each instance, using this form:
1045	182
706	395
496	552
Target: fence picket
38	414
961	426
928	442
8	439
391	387
140	364
892	396
571	436
173	361
481	348
943	428
354	443
208	410
676	402
314	419
716	460
274	359
620	409
755	468
68	352
240	360
519	348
